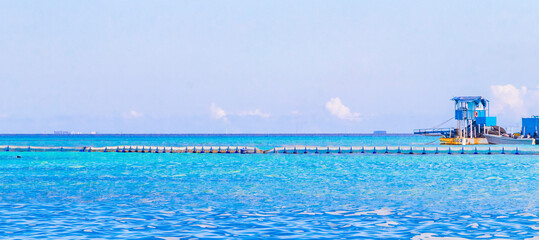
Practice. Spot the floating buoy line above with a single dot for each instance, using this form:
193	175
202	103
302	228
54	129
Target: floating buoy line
420	150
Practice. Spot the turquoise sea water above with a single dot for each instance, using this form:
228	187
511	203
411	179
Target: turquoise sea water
67	195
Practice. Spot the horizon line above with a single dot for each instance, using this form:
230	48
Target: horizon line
209	134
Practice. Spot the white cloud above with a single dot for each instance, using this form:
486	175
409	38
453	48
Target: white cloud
255	112
336	108
509	97
133	114
217	112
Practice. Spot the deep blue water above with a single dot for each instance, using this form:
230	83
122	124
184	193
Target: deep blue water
67	195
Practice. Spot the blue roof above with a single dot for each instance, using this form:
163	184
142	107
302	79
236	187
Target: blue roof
467	98
475	99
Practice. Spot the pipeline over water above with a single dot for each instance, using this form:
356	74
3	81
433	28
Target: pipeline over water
519	150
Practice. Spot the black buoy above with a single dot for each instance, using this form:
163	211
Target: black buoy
387	150
424	152
339	150
411	150
328	151
351	150
19	156
516	151
436	152
449	152
398	149
7	149
202	150
316	151
489	151
305	151
374	150
462	151
503	150
362	149
475	152
295	150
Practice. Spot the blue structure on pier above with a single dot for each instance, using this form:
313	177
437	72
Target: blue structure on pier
475	109
530	126
473	115
473	118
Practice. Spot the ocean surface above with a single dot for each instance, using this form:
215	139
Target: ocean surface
81	195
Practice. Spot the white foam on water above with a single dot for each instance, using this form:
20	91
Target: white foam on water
383	211
209	209
256	215
309	213
169	238
484	236
380	212
204	226
432	236
128	218
337	213
356	214
473	225
387	224
527	215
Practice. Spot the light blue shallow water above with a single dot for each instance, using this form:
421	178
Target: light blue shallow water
66	195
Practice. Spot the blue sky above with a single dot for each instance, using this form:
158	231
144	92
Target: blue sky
262	66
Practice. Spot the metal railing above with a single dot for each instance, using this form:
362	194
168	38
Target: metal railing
441	131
